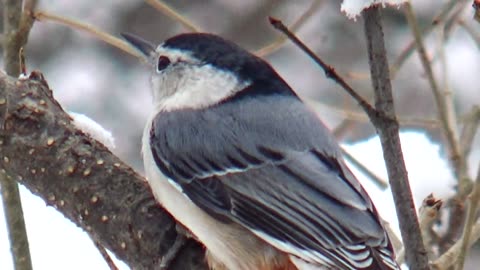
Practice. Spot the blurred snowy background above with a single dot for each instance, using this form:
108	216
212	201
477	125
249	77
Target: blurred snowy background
90	77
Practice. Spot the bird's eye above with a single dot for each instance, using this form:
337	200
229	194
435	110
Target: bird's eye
163	63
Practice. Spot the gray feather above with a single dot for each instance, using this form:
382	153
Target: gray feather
272	167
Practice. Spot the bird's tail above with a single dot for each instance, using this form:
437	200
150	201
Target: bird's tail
382	260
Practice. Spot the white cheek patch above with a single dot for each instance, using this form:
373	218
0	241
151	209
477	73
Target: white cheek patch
192	84
195	87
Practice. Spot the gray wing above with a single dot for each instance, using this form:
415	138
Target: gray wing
276	170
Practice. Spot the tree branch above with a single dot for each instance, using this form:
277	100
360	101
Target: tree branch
17	25
472	210
77	25
329	70
82	179
446	112
450	256
388	131
277	44
174	15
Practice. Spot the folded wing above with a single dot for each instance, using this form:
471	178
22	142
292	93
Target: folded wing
287	184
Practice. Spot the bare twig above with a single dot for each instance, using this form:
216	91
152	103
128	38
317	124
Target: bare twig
388	131
17	25
174	15
472	32
114	41
329	70
106	257
451	22
449	257
447	117
404	55
410	48
473	205
277	44
444	101
470	129
359	116
381	183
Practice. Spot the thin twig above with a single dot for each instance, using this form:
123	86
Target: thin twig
381	183
16	29
388	131
174	15
446	115
472	32
105	255
329	70
114	41
450	24
449	257
445	107
362	118
473	205
404	55
410	48
454	211
470	129
277	44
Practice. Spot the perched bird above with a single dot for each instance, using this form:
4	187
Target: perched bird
236	157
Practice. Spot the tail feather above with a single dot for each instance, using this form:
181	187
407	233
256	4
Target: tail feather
380	261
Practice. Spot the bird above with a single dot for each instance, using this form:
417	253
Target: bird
237	158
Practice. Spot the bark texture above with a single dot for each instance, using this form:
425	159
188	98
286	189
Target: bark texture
81	178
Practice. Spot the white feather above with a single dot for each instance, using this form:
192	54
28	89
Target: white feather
194	86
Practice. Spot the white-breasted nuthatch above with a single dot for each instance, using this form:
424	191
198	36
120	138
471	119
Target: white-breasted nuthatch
237	158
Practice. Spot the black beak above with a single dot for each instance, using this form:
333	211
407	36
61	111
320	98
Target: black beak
139	43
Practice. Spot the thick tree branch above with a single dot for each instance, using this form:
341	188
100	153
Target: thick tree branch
82	179
388	131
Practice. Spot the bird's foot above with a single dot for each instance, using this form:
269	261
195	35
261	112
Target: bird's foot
182	236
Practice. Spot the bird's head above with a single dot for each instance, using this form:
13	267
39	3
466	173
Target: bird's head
198	70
